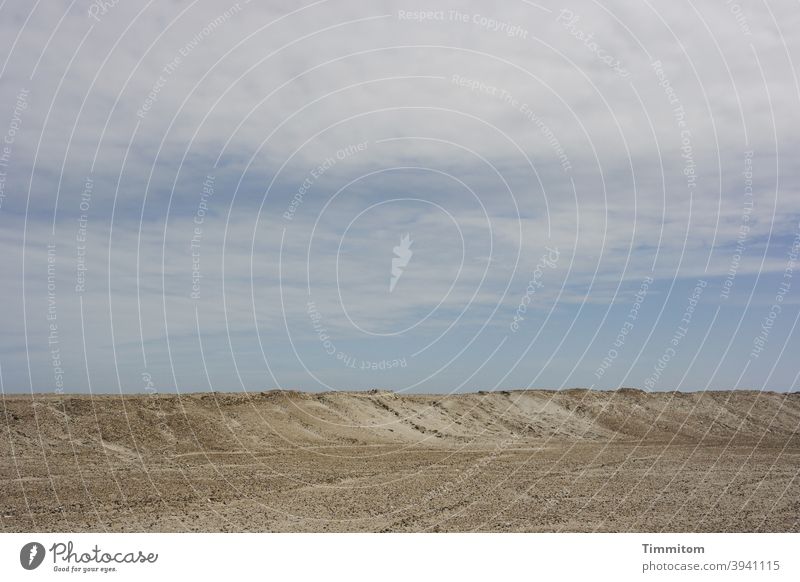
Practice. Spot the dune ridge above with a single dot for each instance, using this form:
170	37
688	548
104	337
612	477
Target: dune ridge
528	460
178	424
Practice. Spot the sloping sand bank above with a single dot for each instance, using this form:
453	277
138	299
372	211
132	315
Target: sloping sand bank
572	460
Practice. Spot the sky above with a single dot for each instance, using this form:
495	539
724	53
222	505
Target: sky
416	196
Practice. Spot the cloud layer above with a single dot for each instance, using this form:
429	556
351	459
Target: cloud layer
211	194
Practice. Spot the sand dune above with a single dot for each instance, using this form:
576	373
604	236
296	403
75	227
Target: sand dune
574	460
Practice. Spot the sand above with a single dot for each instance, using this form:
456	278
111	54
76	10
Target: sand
573	460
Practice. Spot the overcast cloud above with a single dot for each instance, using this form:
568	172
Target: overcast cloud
242	174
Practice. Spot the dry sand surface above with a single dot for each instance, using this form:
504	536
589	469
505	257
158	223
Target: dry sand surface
573	460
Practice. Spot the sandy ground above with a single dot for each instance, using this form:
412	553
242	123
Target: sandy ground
572	460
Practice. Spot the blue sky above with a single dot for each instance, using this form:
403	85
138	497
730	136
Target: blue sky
564	212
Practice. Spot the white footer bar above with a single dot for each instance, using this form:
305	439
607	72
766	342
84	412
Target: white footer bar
408	557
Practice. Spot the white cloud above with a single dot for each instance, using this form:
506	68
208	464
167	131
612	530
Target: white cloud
495	130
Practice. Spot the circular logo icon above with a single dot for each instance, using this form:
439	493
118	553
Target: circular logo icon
31	555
